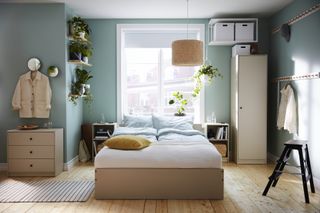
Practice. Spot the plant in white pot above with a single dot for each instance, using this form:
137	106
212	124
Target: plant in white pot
86	52
78	28
206	73
80	87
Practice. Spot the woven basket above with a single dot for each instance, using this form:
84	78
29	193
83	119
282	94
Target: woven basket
222	148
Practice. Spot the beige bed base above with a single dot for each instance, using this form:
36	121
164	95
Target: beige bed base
145	183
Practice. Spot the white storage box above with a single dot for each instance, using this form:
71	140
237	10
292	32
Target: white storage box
241	49
223	32
244	32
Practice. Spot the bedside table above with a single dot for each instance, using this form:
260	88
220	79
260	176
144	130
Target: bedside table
218	135
100	133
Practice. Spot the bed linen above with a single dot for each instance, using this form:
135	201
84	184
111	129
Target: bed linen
175	149
171	134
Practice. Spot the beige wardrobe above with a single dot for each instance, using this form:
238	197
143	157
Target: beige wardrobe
249	108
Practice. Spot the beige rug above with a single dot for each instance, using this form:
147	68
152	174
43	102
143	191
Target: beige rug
45	191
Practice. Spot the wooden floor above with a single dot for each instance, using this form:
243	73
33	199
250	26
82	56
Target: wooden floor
243	188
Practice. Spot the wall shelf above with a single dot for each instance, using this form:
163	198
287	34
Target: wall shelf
79	62
213	21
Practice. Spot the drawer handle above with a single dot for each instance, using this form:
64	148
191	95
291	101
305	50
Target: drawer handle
31	165
30	152
30	139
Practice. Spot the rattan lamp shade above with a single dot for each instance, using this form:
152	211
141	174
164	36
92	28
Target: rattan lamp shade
187	53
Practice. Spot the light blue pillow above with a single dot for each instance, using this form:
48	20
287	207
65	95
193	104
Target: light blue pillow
137	121
175	122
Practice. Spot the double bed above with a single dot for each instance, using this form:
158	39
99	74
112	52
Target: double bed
180	163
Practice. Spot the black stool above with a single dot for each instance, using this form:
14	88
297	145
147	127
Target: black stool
304	165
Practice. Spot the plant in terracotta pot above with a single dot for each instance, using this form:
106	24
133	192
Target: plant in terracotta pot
180	103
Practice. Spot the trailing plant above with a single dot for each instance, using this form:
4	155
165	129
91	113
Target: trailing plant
206	71
79	25
78	89
179	101
86	50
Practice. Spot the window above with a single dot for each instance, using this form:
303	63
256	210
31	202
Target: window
146	78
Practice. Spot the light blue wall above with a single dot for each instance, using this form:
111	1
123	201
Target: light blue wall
36	30
104	87
299	56
74	112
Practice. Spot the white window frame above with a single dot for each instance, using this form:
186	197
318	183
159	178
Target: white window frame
121	81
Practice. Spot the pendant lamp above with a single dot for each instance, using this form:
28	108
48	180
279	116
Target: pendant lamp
187	52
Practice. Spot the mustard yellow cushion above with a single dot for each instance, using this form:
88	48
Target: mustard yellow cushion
127	142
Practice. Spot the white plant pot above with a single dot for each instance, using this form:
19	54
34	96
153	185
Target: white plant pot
82	89
81	35
85	60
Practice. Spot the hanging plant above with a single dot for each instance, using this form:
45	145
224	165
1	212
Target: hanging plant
206	72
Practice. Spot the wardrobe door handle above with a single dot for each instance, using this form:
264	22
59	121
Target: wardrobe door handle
30	152
31	165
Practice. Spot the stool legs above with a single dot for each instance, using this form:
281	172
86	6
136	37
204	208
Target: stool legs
305	167
303	176
309	169
275	175
283	164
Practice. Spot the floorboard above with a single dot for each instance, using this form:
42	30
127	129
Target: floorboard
243	188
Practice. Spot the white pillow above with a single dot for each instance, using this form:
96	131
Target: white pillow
175	122
137	121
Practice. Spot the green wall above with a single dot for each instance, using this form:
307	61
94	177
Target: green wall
104	60
298	56
36	30
74	115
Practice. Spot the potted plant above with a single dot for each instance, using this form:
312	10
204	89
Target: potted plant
86	52
180	102
206	73
80	87
78	28
75	50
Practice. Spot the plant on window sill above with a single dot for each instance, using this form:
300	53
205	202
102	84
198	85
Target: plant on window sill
180	102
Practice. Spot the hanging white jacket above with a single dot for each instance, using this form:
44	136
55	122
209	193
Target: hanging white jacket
287	114
32	97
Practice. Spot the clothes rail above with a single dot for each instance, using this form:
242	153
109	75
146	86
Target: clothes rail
299	17
308	76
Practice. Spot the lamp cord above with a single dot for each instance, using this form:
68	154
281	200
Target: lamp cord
187	19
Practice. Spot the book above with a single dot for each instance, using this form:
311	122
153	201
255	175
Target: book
219	133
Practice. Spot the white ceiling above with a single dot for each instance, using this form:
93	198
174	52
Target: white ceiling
168	8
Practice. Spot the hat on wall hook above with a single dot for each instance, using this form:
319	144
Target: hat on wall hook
285	32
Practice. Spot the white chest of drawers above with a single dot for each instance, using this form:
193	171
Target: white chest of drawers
35	152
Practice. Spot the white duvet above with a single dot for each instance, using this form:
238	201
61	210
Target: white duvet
173	150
